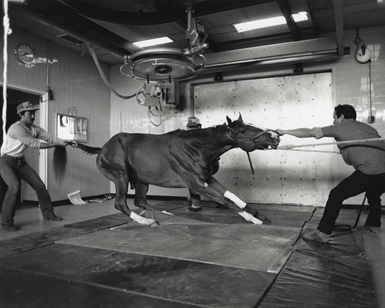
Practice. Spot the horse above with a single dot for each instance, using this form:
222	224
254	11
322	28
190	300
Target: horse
178	159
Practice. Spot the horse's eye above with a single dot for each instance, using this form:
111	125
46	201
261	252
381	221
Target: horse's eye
242	131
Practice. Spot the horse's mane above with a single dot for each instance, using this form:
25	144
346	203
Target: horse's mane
204	133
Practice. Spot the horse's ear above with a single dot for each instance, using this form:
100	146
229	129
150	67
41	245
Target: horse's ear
228	120
240	117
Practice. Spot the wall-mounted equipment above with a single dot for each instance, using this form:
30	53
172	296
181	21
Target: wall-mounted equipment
24	54
363	54
168	64
159	94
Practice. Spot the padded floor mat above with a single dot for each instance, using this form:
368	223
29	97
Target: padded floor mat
142	275
249	246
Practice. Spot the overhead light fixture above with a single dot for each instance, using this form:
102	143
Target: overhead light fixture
153	42
268	22
162	64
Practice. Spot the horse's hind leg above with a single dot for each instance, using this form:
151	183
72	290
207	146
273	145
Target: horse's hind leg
141	190
120	180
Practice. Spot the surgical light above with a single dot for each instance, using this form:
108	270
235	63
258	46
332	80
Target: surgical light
166	64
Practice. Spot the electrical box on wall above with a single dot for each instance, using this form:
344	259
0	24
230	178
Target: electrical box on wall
166	94
172	93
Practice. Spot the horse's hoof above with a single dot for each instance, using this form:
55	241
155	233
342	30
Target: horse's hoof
194	209
154	224
266	221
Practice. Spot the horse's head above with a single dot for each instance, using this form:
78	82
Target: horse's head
250	138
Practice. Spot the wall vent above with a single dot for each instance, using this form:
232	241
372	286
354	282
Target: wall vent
70	39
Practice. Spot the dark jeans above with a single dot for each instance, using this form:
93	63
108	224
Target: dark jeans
355	184
12	169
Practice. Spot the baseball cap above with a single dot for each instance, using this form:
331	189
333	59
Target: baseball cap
26	106
193	122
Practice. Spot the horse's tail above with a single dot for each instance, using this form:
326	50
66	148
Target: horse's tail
60	159
89	150
59	163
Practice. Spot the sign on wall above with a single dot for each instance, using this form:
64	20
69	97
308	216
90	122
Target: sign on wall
70	127
283	177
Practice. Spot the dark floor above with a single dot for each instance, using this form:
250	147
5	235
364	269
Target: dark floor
212	258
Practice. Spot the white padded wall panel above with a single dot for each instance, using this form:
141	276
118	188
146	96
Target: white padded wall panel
290	177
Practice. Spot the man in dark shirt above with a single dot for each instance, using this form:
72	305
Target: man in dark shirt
368	160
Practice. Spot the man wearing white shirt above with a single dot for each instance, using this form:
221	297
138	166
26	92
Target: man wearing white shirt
13	167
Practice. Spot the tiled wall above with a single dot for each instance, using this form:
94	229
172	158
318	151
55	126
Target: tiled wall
75	82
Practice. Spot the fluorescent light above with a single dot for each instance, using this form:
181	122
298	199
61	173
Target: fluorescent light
300	16
152	42
268	22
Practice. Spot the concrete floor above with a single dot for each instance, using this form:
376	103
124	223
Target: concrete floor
29	219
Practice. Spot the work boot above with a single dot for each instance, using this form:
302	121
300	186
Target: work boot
371	230
10	227
54	218
317	236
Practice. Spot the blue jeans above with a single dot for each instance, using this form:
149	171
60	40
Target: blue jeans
12	169
355	184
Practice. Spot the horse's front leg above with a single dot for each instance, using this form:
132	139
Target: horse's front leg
216	192
195	205
241	204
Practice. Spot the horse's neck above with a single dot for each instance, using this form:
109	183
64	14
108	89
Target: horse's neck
213	142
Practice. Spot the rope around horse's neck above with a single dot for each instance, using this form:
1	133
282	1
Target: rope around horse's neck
290	147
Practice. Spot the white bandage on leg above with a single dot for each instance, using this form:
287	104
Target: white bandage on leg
140	219
241	204
251	218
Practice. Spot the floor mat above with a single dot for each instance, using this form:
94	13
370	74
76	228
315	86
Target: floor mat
255	247
337	274
167	279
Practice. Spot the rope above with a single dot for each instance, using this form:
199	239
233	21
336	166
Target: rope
298	150
289	147
7	31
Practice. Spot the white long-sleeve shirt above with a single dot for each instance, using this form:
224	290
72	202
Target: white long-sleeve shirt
20	137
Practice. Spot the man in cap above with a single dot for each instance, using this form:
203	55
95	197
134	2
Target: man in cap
13	167
195	206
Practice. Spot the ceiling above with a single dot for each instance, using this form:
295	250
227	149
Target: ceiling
111	26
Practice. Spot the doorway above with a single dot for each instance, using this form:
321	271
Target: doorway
14	98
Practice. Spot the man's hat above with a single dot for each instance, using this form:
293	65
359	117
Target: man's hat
193	122
26	106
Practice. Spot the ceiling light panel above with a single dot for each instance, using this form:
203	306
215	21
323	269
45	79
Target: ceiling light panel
153	42
268	22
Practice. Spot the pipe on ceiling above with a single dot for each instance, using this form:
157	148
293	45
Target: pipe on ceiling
64	19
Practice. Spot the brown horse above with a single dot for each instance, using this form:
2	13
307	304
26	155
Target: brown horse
178	159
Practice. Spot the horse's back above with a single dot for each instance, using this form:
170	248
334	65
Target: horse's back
142	142
146	156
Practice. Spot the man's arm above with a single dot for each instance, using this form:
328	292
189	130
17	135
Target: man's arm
57	143
299	132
